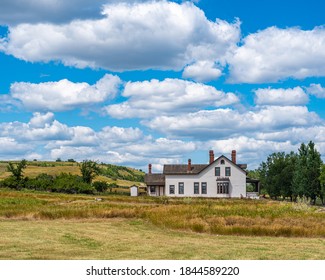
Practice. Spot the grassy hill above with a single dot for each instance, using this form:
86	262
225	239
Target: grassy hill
119	175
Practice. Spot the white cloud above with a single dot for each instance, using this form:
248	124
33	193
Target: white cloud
64	95
13	149
22	11
222	123
281	97
8	103
41	120
295	134
202	71
170	96
275	54
120	135
162	147
158	35
250	150
43	137
137	153
317	90
40	128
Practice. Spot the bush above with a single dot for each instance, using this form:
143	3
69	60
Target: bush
100	186
111	186
43	182
12	183
68	183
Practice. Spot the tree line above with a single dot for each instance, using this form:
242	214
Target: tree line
294	175
63	183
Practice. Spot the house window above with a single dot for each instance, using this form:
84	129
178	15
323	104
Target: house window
152	189
228	172
180	188
217	171
204	188
196	188
223	188
171	189
222	161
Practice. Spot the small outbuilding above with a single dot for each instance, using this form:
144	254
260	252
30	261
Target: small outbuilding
134	191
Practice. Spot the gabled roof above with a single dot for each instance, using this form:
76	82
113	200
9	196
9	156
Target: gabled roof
181	169
177	169
154	179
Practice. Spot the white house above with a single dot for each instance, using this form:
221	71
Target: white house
222	177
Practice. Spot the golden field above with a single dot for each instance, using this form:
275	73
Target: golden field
36	225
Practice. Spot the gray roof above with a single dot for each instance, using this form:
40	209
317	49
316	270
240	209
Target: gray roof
158	179
154	179
177	169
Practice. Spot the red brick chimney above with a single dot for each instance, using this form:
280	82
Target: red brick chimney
149	168
189	166
211	156
233	156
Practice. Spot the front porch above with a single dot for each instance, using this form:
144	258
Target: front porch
255	183
156	190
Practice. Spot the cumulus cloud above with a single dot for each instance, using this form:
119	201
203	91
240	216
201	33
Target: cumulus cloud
13	148
162	146
149	35
222	123
275	54
317	90
42	127
250	150
57	11
30	11
64	94
295	134
170	96
43	137
281	97
8	103
202	71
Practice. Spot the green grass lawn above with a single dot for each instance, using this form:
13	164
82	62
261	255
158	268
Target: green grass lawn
35	225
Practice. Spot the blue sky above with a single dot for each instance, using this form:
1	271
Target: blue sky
137	82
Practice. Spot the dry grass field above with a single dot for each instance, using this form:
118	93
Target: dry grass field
137	239
37	225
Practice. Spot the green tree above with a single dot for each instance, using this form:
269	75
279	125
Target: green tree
300	180
306	179
271	174
89	170
17	170
287	175
314	162
16	179
322	183
276	174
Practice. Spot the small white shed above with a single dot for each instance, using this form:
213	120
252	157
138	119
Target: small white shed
134	190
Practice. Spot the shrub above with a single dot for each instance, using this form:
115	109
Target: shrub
100	186
68	183
111	186
12	183
43	182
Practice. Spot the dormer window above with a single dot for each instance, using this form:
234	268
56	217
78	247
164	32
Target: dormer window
222	161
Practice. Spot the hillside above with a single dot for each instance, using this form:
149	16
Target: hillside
120	175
